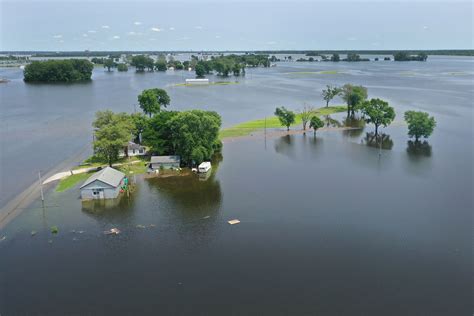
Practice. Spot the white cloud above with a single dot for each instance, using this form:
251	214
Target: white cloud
152	39
92	31
137	23
61	41
218	36
185	38
131	33
172	28
198	27
58	36
84	35
105	27
271	43
116	37
425	27
155	29
352	38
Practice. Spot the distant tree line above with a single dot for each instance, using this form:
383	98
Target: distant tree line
405	56
68	70
225	65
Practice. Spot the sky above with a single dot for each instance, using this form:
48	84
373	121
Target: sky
234	25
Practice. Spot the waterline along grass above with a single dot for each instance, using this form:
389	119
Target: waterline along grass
246	128
217	83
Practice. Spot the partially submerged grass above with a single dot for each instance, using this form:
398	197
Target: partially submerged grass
246	128
309	73
71	181
217	83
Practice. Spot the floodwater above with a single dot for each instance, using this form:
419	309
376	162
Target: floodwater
331	225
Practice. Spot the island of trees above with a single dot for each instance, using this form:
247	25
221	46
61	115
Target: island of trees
68	70
405	56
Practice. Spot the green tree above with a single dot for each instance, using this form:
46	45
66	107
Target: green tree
109	64
200	70
329	93
122	67
316	123
335	57
140	62
285	116
157	133
151	100
195	134
353	96
377	112
68	70
420	124
306	113
139	122
112	133
161	65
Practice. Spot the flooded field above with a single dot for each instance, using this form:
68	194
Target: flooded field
330	225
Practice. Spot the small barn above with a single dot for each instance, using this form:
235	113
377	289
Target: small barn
165	162
104	184
132	150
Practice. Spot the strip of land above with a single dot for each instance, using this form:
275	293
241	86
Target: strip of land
246	128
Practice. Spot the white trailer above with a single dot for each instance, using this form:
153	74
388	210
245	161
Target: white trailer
204	167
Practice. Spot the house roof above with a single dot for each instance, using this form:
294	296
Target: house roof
165	159
107	175
132	145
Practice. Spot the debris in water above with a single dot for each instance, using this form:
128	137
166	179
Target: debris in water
152	225
113	231
50	241
54	230
33	232
206	217
81	231
233	221
3	238
140	226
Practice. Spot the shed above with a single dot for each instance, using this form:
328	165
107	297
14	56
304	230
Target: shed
132	150
165	162
197	81
104	184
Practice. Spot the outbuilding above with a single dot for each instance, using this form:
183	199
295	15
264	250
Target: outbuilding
104	184
165	162
132	150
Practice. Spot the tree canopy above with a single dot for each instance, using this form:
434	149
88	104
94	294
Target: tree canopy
285	116
109	64
420	124
316	123
69	70
329	93
140	62
353	96
377	112
112	133
151	100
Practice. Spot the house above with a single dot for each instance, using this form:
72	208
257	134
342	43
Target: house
165	162
132	150
104	184
197	81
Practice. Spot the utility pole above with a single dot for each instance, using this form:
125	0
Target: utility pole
41	186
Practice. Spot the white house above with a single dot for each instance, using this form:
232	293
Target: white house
197	81
132	150
104	184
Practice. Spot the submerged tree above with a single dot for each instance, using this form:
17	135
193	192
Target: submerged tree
329	93
109	64
377	112
151	100
285	116
306	113
316	123
420	124
353	96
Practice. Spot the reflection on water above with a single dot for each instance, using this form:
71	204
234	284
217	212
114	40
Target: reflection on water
110	210
382	141
357	123
330	122
418	149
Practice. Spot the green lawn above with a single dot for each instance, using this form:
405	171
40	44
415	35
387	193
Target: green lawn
246	128
71	181
131	169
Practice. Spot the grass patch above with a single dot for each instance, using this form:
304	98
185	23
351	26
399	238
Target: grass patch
71	181
217	83
131	169
246	128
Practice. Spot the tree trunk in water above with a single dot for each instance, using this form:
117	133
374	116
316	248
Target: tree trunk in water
287	128
376	130
327	103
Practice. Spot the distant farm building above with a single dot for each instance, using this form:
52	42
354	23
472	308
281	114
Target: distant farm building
165	162
104	184
132	150
197	81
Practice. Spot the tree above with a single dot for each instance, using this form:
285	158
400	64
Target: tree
161	65
68	70
140	62
200	70
306	113
122	67
353	96
195	135
157	133
335	57
109	64
377	112
139	122
329	93
420	124
316	123
151	100
285	116
112	133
